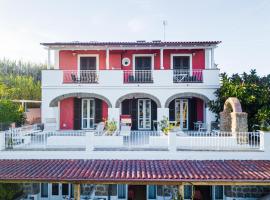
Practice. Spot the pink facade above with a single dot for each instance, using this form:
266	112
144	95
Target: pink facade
68	59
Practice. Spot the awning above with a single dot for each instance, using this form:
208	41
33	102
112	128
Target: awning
215	172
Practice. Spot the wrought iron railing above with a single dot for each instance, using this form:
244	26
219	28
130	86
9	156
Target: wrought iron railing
138	76
188	76
80	76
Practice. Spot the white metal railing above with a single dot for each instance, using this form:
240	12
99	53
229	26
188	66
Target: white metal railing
138	76
130	140
188	76
80	76
36	139
213	140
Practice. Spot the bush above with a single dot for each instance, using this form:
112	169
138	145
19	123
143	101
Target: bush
10	191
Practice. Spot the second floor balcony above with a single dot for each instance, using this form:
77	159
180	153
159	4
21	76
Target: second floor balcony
124	77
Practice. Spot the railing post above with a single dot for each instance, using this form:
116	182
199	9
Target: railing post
2	140
172	141
89	141
261	140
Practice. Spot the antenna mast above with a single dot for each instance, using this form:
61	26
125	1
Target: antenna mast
165	23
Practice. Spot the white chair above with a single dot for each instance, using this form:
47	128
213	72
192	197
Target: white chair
100	128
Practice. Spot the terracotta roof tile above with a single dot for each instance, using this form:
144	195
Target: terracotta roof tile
135	170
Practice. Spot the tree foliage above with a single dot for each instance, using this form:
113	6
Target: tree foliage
11	112
10	191
252	91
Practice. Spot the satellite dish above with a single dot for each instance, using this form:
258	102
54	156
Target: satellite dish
125	62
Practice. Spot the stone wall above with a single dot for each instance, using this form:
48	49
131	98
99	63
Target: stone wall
246	191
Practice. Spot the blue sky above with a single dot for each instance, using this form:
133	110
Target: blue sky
242	25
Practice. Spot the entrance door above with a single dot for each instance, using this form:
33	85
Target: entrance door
181	113
137	192
88	113
144	114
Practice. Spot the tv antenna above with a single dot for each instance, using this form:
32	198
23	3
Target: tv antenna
165	23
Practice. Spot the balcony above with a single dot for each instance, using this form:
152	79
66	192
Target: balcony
120	78
21	139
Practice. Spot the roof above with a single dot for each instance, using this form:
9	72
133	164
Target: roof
156	43
113	171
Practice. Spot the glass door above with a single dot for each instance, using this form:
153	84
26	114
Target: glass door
55	191
181	113
88	113
144	114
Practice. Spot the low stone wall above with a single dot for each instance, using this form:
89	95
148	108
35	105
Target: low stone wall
246	191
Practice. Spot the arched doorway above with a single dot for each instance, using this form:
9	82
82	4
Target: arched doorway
187	110
232	118
142	108
81	110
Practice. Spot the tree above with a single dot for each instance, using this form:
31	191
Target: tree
11	112
10	191
252	91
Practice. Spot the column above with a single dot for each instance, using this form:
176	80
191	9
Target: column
49	59
56	59
161	59
213	58
114	114
107	58
161	113
181	191
207	59
77	191
209	117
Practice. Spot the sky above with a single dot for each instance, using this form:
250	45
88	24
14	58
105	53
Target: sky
243	26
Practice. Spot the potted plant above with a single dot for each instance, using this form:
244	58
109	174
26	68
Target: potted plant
110	127
165	125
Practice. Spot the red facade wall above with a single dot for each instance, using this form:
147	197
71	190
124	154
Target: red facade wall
104	111
66	114
200	107
68	59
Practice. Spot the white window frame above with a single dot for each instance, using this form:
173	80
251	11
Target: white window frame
88	113
214	192
143	55
87	55
147	190
181	54
138	117
126	191
181	100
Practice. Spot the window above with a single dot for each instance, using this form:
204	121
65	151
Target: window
218	192
121	191
181	62
44	189
152	192
187	192
55	189
65	189
143	62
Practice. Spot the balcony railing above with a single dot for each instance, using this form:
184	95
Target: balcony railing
81	76
188	76
138	76
19	139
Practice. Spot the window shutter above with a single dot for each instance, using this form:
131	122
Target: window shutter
77	113
98	110
153	114
192	112
172	111
134	113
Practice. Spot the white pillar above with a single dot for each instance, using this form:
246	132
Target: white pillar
161	59
161	113
209	117
114	114
49	59
213	58
56	59
207	59
107	58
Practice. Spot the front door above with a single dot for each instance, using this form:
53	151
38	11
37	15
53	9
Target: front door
88	113
181	113
144	114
